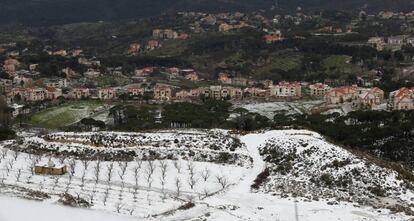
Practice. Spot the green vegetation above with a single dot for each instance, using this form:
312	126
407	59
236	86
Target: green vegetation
64	114
339	63
284	61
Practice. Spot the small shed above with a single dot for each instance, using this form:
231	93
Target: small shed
50	168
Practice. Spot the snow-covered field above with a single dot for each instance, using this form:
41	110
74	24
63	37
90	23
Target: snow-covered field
269	109
163	189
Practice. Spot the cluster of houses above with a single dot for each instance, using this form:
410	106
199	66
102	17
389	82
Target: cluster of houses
396	42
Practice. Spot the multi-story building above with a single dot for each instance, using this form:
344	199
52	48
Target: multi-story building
369	98
318	90
80	93
135	91
286	89
341	95
402	99
107	93
162	92
52	93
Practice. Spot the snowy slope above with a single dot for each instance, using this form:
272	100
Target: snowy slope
130	189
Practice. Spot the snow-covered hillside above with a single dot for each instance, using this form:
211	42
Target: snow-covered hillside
207	146
302	164
190	188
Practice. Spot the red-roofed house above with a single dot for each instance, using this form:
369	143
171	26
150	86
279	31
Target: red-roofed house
152	44
370	98
402	99
272	38
341	95
135	91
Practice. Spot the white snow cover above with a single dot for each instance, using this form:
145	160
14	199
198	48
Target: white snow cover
120	197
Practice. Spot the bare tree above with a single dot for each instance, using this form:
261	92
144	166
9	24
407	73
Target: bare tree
177	165
205	174
163	179
178	186
149	172
190	166
15	155
10	163
206	192
97	171
136	175
139	162
106	195
123	167
62	160
192	180
131	211
110	168
3	153
85	164
222	180
18	174
118	207
72	167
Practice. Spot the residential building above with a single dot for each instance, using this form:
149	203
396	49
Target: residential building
106	93
192	76
56	82
152	44
164	34
80	93
402	99
35	94
162	92
369	98
224	78
286	89
135	91
272	39
5	86
134	49
396	40
318	90
10	65
341	95
52	93
377	42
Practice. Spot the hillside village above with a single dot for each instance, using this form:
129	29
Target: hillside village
25	87
24	82
304	113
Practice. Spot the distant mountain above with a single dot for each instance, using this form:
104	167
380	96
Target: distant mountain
48	12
